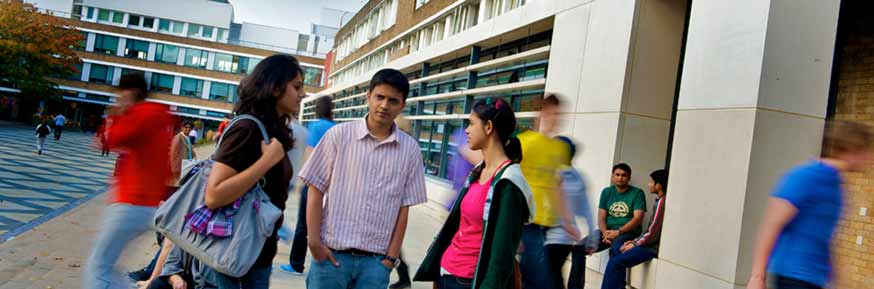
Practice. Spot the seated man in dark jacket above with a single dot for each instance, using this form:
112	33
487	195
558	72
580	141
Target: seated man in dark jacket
184	271
646	246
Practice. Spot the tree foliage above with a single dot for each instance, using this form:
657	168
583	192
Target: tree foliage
34	46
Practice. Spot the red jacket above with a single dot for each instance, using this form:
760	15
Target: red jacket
143	136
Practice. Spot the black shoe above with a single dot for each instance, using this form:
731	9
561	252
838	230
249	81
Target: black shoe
400	285
139	275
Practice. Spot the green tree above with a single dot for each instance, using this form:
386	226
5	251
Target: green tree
34	46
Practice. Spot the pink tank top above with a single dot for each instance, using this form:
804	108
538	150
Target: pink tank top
461	257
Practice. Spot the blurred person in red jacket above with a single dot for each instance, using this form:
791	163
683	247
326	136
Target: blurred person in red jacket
141	131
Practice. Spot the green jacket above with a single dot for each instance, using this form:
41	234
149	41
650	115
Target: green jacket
502	222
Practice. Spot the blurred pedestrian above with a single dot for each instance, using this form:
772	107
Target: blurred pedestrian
271	93
181	149
560	244
59	120
317	129
42	132
101	139
543	156
476	246
363	177
143	130
646	246
796	234
221	127
192	135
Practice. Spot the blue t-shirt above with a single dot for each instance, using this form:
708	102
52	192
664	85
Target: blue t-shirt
802	249
317	130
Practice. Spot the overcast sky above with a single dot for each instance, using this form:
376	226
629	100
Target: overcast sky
291	14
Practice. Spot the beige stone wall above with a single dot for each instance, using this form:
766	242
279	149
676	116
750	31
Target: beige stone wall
856	102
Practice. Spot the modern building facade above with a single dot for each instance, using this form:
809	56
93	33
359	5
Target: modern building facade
192	61
726	94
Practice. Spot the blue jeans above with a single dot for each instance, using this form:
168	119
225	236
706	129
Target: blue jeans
614	275
354	272
121	224
256	278
452	282
533	264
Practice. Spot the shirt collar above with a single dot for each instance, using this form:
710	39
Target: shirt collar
362	132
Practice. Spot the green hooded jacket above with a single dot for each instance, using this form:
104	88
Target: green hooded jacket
509	206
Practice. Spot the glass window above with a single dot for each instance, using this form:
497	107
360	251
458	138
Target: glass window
226	63
221	34
89	13
125	71
188	110
100	74
191	87
148	22
133	20
247	65
207	32
117	17
103	15
76	74
312	76
302	41
177	27
195	58
193	30
136	49
105	44
80	45
162	83
223	92
164	25
166	53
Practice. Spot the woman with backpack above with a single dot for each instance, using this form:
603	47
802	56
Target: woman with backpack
476	247
271	93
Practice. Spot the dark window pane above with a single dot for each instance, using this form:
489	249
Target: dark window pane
133	20
148	22
191	87
100	74
162	83
136	49
105	44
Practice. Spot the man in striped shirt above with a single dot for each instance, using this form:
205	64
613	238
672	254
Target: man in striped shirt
646	246
363	176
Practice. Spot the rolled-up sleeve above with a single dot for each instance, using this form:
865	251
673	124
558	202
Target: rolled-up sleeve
318	168
414	186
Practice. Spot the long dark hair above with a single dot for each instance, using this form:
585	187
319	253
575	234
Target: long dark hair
259	94
503	119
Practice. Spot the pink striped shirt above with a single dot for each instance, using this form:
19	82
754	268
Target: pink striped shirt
365	182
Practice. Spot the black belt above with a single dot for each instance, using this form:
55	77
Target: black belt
356	252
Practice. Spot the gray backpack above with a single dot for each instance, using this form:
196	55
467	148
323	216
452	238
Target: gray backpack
252	222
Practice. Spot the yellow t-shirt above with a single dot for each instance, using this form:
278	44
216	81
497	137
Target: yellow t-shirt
541	159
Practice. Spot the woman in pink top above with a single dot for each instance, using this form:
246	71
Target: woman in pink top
476	247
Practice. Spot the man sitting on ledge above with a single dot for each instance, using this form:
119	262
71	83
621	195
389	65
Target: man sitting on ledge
643	248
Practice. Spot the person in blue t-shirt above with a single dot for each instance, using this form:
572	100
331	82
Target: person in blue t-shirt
317	129
794	242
